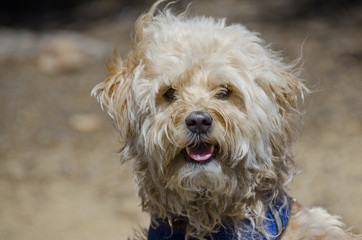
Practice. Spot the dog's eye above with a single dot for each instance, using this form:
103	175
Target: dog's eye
169	95
223	93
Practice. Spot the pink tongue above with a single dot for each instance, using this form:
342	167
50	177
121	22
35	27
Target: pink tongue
201	153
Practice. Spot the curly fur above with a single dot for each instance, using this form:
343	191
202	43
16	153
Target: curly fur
254	127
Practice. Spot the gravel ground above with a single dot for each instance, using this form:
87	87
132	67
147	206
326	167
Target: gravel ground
60	177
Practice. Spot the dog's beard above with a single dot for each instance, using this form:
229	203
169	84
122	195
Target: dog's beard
207	178
205	193
208	195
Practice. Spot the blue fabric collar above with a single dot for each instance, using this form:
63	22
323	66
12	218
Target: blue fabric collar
277	216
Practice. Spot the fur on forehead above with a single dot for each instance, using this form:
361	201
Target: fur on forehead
168	47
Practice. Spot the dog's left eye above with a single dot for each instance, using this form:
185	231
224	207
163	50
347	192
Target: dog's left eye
169	95
223	93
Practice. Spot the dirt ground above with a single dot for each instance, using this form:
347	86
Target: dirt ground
60	176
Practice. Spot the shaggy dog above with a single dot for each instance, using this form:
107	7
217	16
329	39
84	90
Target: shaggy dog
206	114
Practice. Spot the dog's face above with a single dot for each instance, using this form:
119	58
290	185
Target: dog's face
204	112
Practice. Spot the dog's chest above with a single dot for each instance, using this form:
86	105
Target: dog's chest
277	216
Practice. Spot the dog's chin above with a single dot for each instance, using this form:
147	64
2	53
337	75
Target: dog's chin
198	168
200	153
192	178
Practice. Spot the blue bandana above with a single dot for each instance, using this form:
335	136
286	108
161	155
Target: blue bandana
277	216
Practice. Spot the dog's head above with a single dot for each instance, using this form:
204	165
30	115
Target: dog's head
207	114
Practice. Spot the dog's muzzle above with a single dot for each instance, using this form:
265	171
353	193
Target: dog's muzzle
199	123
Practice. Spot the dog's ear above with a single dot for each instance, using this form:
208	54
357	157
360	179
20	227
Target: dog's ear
287	92
285	89
115	95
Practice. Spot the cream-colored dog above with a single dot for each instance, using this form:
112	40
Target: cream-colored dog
207	114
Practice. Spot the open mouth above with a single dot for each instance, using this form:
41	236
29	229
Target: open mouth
200	153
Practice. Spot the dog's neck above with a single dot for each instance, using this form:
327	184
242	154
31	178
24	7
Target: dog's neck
277	216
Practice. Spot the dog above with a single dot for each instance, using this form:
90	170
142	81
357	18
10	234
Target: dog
207	114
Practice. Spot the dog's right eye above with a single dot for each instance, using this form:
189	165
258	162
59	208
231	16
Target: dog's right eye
169	95
224	93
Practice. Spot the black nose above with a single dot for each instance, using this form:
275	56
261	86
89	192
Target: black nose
199	122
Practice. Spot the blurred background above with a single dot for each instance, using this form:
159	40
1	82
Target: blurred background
60	176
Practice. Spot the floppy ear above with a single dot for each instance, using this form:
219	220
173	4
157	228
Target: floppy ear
115	94
285	89
287	92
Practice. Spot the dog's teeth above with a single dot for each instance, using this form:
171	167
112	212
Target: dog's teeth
212	148
188	150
